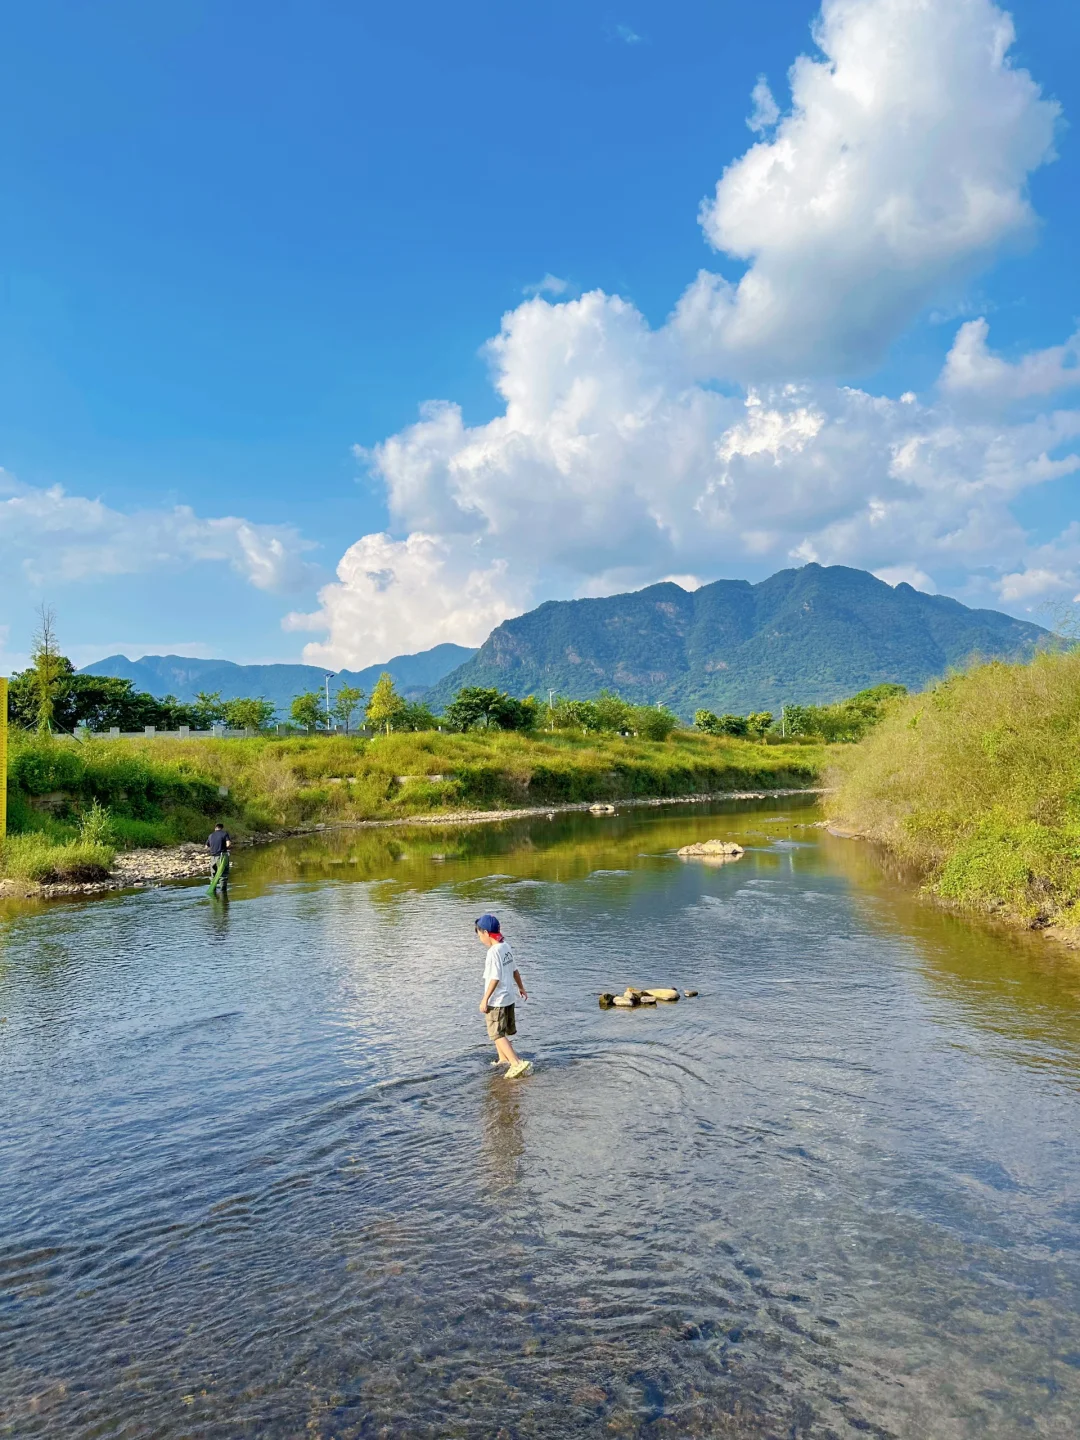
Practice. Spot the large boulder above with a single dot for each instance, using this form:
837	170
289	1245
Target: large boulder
726	849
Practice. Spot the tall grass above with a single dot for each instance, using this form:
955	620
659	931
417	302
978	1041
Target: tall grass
35	857
976	782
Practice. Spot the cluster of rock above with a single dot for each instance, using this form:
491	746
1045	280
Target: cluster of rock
717	850
632	997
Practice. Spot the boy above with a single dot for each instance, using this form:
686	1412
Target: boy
497	1006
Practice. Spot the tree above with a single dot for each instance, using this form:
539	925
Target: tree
480	707
575	715
414	715
346	703
48	665
208	710
759	722
307	709
612	712
385	704
652	723
249	714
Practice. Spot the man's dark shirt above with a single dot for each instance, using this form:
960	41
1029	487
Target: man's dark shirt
217	842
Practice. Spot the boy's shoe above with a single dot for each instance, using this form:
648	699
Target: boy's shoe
521	1068
496	1063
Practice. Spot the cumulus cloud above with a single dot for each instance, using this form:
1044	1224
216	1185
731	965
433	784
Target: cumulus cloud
395	595
901	166
972	370
619	459
55	536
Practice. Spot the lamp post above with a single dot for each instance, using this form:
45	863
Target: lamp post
327	678
551	711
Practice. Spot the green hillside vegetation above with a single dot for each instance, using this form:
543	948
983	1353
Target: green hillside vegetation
806	636
65	795
976	784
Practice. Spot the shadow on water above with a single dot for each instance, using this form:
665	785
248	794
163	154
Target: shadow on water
261	1180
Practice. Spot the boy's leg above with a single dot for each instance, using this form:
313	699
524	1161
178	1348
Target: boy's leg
507	1054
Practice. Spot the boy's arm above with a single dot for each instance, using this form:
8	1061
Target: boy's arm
520	984
488	988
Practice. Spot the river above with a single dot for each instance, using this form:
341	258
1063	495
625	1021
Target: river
259	1178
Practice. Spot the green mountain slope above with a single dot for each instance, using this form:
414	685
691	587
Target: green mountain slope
811	635
184	677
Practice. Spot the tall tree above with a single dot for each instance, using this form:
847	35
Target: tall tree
346	703
47	667
385	704
306	709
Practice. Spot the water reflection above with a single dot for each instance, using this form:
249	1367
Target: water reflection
260	1178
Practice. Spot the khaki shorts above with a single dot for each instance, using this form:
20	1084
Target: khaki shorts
500	1021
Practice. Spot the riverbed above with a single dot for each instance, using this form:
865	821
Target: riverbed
259	1178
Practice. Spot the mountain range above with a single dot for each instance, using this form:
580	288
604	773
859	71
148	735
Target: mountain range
805	636
184	677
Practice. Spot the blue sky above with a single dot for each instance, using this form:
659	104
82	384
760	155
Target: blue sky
240	241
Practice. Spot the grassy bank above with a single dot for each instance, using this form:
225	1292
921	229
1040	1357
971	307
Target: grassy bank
157	791
976	783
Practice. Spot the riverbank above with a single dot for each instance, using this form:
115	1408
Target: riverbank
975	785
75	807
148	868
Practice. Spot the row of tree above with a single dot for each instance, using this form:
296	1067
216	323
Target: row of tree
845	721
50	695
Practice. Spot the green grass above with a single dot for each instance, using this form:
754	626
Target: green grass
976	783
36	857
157	792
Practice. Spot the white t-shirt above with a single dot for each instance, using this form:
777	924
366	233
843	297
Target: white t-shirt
499	966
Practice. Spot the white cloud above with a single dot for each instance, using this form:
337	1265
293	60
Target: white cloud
901	167
766	112
627	35
618	460
972	370
549	285
907	575
395	595
57	537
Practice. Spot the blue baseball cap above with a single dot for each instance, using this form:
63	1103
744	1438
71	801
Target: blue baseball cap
489	923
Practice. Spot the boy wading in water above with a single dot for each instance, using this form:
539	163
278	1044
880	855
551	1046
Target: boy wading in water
497	1006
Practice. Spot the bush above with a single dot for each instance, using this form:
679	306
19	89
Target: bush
976	783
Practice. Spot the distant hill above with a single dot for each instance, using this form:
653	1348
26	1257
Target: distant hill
811	635
184	677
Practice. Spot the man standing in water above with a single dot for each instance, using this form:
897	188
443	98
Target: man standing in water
497	1006
219	843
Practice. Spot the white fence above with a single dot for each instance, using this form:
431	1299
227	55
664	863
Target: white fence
217	732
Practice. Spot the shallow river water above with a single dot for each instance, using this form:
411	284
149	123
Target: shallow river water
259	1178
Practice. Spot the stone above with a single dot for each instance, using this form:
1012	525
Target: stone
690	993
647	999
633	993
606	1001
601	809
625	1002
664	992
713	847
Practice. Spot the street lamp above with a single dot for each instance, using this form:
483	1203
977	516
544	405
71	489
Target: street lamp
551	710
327	678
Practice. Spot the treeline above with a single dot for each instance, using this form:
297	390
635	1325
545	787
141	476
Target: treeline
844	722
49	695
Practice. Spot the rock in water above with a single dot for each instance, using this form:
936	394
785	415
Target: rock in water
665	992
625	1002
601	809
689	993
606	1001
633	993
713	847
647	999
